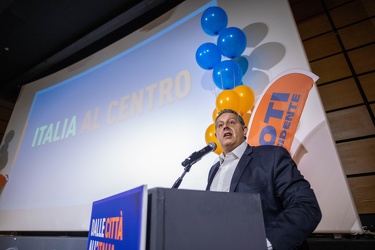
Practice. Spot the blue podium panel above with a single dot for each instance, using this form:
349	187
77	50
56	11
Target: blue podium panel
119	221
188	219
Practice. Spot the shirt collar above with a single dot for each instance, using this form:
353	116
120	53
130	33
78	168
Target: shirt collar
237	152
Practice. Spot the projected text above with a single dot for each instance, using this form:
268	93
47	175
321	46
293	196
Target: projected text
157	94
55	131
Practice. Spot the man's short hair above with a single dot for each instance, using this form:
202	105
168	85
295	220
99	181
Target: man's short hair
239	117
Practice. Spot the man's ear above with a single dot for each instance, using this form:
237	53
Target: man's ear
245	130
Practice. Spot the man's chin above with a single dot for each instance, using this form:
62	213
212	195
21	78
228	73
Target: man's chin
228	146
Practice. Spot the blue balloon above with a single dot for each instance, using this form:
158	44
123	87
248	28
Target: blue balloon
213	20
227	75
231	42
242	61
208	56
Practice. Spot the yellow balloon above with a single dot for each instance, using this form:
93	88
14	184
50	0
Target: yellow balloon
247	98
210	137
214	115
246	118
228	99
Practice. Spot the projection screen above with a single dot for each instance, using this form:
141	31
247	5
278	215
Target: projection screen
131	113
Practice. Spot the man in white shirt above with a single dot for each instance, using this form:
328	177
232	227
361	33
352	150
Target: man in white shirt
290	209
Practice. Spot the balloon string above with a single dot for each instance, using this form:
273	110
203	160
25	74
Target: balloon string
213	89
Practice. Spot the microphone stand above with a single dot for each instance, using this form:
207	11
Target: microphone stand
179	180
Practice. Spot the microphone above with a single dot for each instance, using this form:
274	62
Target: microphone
196	156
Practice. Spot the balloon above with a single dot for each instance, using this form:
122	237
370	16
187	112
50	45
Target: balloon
213	20
243	62
231	42
227	74
208	55
247	98
210	134
214	115
210	137
246	118
228	99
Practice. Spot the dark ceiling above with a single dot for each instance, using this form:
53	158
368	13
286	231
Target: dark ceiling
39	37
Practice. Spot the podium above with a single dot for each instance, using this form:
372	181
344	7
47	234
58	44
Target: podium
180	219
177	219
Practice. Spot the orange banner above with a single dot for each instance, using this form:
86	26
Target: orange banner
276	118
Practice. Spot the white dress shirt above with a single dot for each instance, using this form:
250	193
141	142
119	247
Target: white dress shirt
228	164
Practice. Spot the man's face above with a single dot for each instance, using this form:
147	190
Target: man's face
230	133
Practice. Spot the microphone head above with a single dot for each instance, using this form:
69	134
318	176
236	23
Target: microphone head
212	145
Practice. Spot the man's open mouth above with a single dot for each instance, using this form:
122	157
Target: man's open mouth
227	134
